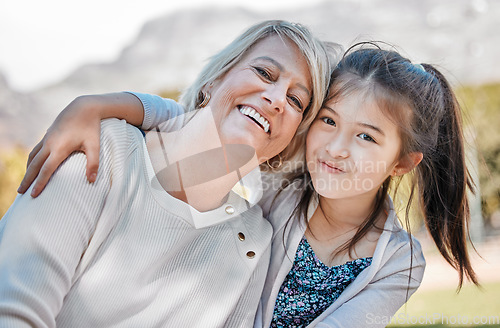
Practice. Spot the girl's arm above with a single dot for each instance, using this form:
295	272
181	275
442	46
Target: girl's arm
77	128
40	249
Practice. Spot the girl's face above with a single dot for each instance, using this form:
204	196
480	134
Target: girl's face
351	148
260	101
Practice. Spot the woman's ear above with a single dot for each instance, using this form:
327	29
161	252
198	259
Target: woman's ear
208	87
407	163
205	95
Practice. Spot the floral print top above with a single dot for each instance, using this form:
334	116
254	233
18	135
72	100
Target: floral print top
311	287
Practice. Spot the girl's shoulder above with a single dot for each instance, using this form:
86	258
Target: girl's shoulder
394	225
399	243
279	200
277	193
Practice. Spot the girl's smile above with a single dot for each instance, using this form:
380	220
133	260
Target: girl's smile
331	167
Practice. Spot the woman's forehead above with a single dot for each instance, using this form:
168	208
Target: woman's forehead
277	46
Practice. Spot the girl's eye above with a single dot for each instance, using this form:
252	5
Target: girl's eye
296	101
366	137
329	121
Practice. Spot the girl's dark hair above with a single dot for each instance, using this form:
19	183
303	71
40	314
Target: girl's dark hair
420	100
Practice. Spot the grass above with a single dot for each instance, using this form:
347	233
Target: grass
439	325
472	307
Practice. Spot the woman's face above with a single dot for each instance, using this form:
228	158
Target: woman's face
260	101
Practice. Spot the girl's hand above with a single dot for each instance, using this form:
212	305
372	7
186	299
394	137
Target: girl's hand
77	128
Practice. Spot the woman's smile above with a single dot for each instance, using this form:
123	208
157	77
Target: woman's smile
260	101
256	116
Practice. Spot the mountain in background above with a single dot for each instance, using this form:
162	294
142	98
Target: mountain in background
460	36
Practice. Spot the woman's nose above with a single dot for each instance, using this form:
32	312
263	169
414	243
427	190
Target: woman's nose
275	95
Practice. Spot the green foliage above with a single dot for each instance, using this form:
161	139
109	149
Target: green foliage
482	113
12	168
446	308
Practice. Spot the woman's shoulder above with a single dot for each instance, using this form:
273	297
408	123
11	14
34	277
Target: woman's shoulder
120	135
120	142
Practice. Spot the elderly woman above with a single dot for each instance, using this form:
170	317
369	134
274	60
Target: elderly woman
159	239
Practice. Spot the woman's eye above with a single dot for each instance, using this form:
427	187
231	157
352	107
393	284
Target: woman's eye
296	101
366	137
262	72
329	121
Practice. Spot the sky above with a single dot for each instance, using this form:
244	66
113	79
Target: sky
42	41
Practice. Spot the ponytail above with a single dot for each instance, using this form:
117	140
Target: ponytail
443	180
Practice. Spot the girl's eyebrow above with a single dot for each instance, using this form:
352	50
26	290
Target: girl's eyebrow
331	110
373	127
366	125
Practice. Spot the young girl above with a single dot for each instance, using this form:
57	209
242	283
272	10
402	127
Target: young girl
346	260
339	254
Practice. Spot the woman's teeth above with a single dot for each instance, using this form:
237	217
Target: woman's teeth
252	113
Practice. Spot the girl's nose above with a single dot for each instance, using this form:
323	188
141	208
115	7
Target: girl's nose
338	147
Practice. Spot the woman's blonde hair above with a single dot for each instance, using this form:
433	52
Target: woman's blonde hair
314	51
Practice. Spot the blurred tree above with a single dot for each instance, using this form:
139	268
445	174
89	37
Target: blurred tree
12	168
172	94
482	115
